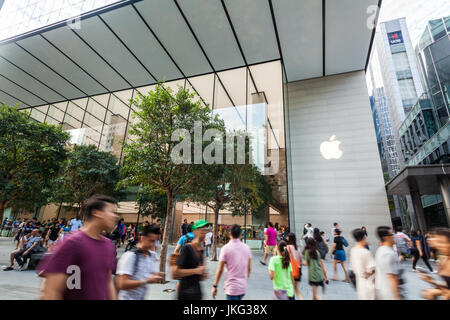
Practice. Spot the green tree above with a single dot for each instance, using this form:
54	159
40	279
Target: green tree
87	171
162	115
31	153
231	185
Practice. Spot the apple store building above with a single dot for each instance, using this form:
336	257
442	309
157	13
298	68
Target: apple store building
292	68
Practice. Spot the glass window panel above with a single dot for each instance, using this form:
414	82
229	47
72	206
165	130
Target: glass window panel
124	96
43	109
56	113
72	122
234	81
37	115
117	107
145	90
74	111
50	120
205	87
96	109
93	122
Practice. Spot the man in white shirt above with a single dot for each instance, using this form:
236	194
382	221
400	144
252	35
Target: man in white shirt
402	243
75	224
139	267
208	243
363	266
388	281
335	226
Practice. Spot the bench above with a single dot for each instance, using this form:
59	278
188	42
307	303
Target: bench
36	258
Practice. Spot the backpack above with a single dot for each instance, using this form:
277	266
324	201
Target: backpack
138	252
174	256
296	268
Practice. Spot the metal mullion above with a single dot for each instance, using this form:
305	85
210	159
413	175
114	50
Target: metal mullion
126	47
51	69
76	64
65	112
30	75
380	2
237	40
324	25
164	48
126	128
104	120
101	57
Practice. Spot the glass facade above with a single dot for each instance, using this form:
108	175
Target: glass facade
20	16
245	98
433	53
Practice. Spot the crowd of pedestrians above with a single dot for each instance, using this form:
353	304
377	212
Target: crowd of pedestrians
81	261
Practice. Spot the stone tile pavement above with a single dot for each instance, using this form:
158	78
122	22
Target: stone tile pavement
25	285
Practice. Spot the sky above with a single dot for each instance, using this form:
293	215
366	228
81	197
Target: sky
417	13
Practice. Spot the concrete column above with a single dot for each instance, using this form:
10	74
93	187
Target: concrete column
444	185
417	203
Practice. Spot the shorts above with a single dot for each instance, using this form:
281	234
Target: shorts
270	250
316	283
339	255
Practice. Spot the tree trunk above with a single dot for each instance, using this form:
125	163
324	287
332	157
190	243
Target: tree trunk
2	210
214	239
165	240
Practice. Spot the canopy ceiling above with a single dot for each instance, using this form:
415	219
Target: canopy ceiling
134	43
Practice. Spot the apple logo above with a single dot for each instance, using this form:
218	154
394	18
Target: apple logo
330	149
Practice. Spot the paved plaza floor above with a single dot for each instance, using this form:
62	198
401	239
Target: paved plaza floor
24	285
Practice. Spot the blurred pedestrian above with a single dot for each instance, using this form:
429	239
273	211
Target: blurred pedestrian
139	267
388	274
362	265
190	265
296	260
418	249
317	274
86	256
280	272
321	244
338	254
237	258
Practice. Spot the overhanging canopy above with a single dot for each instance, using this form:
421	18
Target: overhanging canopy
135	43
426	179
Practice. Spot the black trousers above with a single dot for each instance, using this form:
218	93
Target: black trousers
22	258
416	257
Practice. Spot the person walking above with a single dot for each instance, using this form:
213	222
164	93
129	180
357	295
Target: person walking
271	243
86	256
388	278
402	243
208	242
317	274
321	244
280	272
190	264
362	265
139	267
338	254
237	258
296	260
184	227
418	250
75	223
365	233
335	226
439	239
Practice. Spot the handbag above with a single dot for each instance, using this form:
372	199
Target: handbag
352	277
296	268
280	295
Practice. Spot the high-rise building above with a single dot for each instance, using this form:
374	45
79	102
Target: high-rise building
294	70
425	133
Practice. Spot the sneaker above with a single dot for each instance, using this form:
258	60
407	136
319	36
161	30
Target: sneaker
22	267
414	270
8	268
263	263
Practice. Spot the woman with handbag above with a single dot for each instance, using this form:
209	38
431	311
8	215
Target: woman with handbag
280	272
296	260
317	273
321	244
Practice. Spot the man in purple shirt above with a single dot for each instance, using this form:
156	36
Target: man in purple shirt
238	259
81	266
271	242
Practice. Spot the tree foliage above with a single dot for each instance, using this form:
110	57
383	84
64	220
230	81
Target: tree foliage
148	159
31	153
87	171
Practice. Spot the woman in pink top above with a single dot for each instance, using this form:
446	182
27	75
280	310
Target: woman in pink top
271	243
